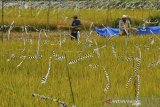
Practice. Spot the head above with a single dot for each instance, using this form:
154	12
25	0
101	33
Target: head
124	18
75	17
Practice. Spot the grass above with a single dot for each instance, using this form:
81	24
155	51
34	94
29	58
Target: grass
17	84
37	17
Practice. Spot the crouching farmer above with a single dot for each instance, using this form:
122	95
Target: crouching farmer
124	26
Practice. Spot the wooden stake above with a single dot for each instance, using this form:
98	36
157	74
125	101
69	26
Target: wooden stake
69	79
2	20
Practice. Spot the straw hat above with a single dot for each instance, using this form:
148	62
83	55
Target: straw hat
124	16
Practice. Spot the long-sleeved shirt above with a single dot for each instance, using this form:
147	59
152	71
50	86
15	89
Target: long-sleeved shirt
124	26
76	23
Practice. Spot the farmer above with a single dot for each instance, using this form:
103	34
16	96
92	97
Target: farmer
75	27
124	26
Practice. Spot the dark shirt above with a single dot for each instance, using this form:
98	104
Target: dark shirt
76	23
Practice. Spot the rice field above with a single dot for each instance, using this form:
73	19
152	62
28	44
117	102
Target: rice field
46	69
54	17
84	73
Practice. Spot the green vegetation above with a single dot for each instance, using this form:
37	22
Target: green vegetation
17	84
39	18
